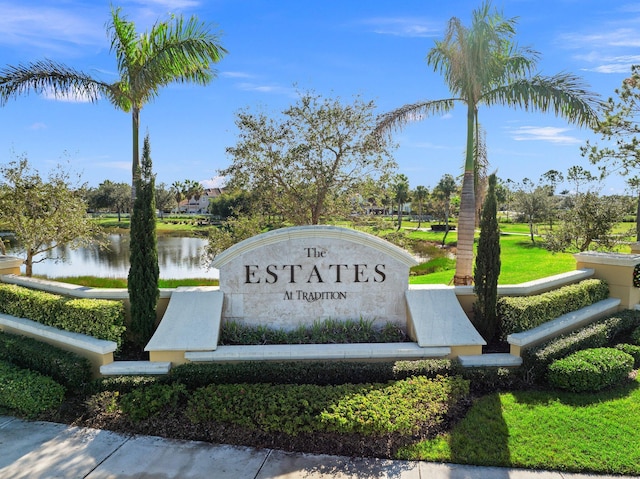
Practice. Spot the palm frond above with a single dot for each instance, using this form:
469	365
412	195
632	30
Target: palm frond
398	118
49	77
564	94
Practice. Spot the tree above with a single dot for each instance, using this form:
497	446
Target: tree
111	196
443	191
307	164
144	271
44	214
588	222
482	64
487	270
420	194
533	202
164	199
620	124
178	188
401	195
172	51
192	189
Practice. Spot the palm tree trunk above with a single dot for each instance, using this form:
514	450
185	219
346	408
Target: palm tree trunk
467	219
135	164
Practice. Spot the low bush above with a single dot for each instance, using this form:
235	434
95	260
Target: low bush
320	373
633	350
602	332
320	332
123	384
590	370
521	313
404	406
67	368
635	336
144	402
28	392
99	318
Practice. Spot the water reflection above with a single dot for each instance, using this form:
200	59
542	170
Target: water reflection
178	257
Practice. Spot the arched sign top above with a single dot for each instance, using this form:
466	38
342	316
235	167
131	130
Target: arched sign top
314	232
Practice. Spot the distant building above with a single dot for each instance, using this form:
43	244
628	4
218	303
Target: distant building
200	205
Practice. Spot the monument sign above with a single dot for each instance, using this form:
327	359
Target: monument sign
298	275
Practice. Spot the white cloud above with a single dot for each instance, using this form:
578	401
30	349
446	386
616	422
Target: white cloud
215	182
38	126
70	97
402	26
116	165
236	75
544	133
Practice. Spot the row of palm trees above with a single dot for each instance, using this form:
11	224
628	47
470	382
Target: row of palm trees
481	64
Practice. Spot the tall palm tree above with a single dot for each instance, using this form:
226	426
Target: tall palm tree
482	65
401	195
177	50
420	194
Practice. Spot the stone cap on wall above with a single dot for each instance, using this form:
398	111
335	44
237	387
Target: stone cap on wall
614	259
318	231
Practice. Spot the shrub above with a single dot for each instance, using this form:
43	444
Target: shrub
122	384
526	312
602	332
633	350
144	402
67	368
371	409
590	370
99	318
321	373
28	392
635	336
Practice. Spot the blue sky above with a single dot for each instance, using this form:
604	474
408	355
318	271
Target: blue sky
375	49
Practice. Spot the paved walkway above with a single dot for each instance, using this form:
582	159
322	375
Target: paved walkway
44	450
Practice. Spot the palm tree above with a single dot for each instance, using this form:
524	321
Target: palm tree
172	51
177	188
443	191
420	194
482	65
401	194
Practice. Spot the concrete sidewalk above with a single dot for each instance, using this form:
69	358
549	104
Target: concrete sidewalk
43	450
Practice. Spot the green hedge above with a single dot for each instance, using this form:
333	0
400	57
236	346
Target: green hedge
521	313
591	370
405	406
321	373
600	333
28	392
99	318
633	350
67	368
635	336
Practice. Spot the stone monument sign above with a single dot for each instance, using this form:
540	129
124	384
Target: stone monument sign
299	275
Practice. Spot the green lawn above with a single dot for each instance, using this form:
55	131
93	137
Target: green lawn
598	432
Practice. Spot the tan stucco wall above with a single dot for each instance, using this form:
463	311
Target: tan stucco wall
10	265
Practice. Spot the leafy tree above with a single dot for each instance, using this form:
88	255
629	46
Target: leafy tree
401	195
588	222
164	199
111	196
487	270
443	191
43	214
172	51
144	271
232	231
234	203
620	124
420	194
482	64
307	164
533	202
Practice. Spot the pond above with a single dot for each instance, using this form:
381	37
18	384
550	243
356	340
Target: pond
178	258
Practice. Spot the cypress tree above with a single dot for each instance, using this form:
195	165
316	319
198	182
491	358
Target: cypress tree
487	267
144	271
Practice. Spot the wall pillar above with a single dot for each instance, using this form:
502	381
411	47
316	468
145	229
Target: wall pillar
617	270
10	265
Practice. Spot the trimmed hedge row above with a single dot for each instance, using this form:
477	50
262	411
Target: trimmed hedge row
521	313
320	373
598	334
67	368
590	369
102	319
28	392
